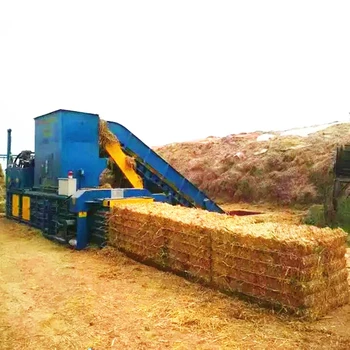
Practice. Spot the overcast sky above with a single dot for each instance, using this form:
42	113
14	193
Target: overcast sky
175	70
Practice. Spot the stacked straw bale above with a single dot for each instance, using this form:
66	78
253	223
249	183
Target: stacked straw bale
298	268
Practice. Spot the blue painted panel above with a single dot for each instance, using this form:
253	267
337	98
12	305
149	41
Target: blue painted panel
80	148
79	200
160	197
135	192
64	141
82	233
47	149
20	178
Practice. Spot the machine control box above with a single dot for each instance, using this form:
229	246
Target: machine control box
67	186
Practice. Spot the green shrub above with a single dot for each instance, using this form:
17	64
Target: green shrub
315	216
342	217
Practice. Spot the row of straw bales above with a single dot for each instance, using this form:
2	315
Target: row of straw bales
297	268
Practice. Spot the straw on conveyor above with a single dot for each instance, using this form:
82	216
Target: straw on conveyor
130	162
299	268
107	137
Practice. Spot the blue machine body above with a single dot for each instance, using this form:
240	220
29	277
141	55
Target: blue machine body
20	178
69	141
84	199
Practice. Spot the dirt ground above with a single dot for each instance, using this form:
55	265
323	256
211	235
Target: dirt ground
52	297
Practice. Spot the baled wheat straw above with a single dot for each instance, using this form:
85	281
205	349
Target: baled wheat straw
296	267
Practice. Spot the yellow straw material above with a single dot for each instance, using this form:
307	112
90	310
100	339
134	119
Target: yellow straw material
297	268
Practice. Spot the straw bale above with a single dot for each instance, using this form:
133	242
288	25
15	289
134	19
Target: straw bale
312	307
302	273
196	272
294	239
192	249
231	252
147	244
261	293
266	235
294	266
290	285
330	293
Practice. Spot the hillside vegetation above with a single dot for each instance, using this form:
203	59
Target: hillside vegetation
277	168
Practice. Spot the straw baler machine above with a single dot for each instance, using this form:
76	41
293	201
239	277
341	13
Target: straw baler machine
57	188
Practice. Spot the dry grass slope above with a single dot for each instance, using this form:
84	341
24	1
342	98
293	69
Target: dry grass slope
288	169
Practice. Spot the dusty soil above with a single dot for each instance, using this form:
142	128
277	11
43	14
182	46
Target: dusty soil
56	298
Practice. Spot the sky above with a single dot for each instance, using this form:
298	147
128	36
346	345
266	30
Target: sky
173	71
